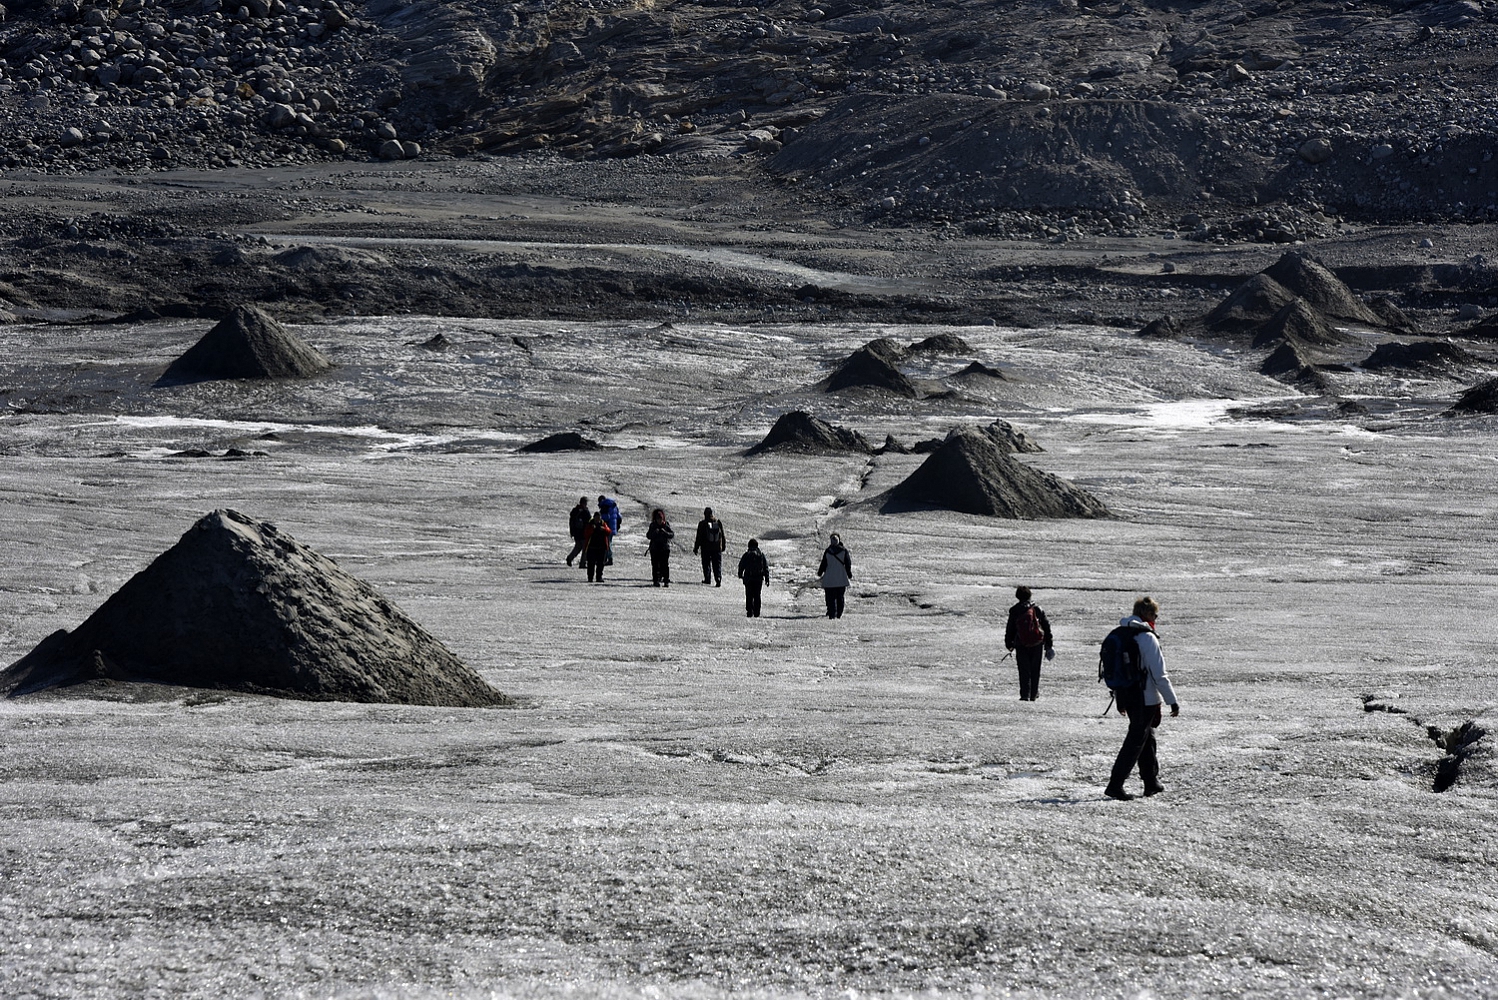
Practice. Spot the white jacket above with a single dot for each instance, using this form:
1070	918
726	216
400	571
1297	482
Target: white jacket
1156	682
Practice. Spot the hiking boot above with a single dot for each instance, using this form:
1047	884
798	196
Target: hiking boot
1154	789
1117	792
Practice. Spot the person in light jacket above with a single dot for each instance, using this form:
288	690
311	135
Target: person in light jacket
1142	705
834	574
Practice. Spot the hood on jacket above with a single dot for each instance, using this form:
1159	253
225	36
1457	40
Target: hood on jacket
1134	621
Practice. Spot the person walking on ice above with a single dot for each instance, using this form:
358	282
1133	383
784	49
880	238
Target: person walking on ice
577	524
659	535
1028	635
711	541
754	570
596	540
608	509
834	573
1134	668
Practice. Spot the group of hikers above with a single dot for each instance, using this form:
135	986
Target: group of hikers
1130	661
593	535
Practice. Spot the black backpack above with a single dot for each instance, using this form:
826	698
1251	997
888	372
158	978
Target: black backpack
1119	664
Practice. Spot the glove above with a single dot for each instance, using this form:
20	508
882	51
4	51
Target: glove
1175	710
1050	654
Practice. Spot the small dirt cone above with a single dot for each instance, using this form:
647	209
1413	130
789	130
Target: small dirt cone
942	343
566	441
869	368
248	343
1301	324
799	431
238	605
969	473
1427	357
1481	398
1251	305
1009	440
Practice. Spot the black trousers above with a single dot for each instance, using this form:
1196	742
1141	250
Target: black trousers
1139	745
660	567
596	561
577	548
1029	671
712	567
752	586
835	601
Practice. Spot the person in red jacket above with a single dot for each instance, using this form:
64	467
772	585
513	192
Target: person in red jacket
597	537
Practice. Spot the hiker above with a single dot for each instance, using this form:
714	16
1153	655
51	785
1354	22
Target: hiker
1141	703
596	540
1028	636
711	541
834	574
754	570
577	523
608	509
659	535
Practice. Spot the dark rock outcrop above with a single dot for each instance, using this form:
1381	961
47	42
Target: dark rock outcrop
238	605
1165	328
565	441
799	431
970	474
248	343
1481	398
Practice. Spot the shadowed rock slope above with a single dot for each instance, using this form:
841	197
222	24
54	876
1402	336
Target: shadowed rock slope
238	605
970	474
799	431
248	343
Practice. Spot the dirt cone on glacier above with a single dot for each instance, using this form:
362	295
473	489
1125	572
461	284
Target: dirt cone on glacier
969	473
1315	282
1300	324
799	431
237	605
870	368
247	343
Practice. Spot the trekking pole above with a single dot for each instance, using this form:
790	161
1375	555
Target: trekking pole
1111	696
1006	656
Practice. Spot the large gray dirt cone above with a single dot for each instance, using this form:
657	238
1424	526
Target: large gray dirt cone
237	605
1315	283
969	473
1250	306
248	343
799	431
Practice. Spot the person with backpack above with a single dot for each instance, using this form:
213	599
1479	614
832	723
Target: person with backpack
1028	636
608	509
834	574
1134	669
659	536
596	540
577	523
711	541
754	570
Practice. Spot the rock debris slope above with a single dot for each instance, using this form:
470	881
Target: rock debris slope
969	473
238	605
248	343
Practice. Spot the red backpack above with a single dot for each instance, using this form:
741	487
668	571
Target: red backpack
1028	632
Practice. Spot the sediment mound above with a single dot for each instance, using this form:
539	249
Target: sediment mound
1285	359
1009	440
566	441
1484	329
1300	323
1426	357
969	473
799	431
238	605
436	342
892	446
1314	282
1481	398
887	348
941	343
248	343
1164	328
1251	305
870	368
1392	316
978	368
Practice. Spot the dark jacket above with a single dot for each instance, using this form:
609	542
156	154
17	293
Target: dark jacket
754	567
710	536
1011	630
578	522
660	534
